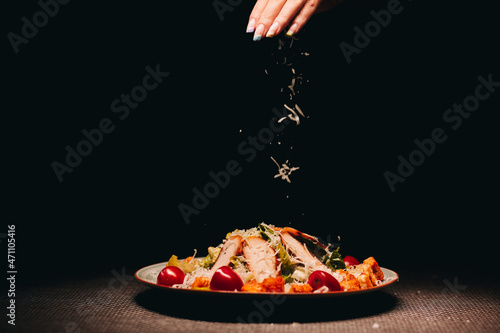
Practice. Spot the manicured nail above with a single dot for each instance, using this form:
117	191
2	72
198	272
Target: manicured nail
258	33
292	30
273	29
251	26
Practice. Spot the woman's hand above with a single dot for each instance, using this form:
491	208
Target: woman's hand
270	17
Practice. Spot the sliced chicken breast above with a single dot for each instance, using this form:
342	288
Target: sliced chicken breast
231	247
301	253
296	233
261	258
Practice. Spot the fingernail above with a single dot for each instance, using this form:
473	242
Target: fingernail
251	26
292	30
272	29
258	33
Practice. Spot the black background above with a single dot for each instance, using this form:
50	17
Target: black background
119	207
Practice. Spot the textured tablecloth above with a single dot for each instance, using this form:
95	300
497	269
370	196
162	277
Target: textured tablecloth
115	302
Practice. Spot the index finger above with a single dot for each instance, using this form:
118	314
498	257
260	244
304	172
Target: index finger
285	16
267	17
257	10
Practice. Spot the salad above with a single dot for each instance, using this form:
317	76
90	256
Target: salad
271	259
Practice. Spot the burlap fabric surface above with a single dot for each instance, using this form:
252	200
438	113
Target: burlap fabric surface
116	303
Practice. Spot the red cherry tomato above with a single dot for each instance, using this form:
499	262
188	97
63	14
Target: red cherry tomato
319	279
350	261
170	275
226	279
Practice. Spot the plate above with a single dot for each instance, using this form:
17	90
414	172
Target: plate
147	275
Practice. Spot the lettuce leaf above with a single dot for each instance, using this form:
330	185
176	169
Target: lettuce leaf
335	261
209	260
268	234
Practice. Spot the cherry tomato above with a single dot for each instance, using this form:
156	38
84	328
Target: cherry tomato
350	261
319	279
170	275
226	279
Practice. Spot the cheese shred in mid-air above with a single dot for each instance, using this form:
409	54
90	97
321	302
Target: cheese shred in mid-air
284	171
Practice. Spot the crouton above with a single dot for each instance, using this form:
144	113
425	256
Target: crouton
375	268
201	282
349	282
253	287
300	288
272	284
364	281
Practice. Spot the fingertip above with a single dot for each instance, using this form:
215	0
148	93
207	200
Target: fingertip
259	31
293	30
273	30
251	26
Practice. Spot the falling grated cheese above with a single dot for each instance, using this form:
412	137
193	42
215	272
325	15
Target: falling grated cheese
284	171
291	87
300	111
294	115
